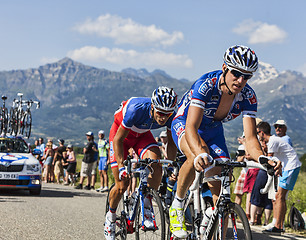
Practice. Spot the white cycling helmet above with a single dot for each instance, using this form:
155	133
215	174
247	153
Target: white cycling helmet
241	57
164	98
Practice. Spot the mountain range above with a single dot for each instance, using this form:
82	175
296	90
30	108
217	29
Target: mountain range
76	98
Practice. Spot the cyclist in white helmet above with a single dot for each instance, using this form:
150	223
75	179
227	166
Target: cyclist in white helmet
131	129
197	130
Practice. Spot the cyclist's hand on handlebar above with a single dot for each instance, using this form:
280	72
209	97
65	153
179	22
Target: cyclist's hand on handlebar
123	173
202	161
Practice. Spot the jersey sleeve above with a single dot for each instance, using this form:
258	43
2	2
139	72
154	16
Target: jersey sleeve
201	92
129	117
249	104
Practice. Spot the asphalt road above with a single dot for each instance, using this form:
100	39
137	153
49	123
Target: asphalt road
62	212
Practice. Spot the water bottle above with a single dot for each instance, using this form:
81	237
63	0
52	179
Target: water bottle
207	214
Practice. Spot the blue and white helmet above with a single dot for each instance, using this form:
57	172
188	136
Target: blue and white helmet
164	98
241	57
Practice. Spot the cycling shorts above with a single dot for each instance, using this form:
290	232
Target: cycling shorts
140	142
213	137
288	180
103	164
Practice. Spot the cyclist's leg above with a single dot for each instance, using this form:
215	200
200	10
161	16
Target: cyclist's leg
185	178
118	190
147	147
155	178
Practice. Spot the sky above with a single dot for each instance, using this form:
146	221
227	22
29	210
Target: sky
184	38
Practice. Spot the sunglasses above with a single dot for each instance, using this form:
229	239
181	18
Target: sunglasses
238	74
279	126
162	114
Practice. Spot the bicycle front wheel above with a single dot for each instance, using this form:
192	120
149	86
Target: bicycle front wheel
159	220
234	223
121	225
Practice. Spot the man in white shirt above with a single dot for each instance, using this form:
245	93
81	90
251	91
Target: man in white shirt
291	167
281	129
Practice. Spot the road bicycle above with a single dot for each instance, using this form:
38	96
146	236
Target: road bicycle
16	112
26	118
4	117
21	120
228	220
131	210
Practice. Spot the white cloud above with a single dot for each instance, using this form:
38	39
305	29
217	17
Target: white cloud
127	31
259	32
131	58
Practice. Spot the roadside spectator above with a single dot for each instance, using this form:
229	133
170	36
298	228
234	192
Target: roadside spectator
95	166
71	168
281	129
164	142
42	147
291	168
57	161
103	147
249	181
133	181
88	163
260	202
240	156
48	157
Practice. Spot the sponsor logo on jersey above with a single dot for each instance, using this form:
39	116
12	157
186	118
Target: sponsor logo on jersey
208	112
179	128
205	87
218	151
253	99
111	151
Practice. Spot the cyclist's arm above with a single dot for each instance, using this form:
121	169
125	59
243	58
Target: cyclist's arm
252	144
118	145
195	142
171	147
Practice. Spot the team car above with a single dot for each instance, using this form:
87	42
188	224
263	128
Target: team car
19	169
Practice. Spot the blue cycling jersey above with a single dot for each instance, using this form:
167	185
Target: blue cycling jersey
135	114
206	94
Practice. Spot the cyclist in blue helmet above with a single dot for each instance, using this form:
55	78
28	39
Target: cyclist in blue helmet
197	128
132	126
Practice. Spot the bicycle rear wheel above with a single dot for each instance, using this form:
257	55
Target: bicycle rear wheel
27	123
237	226
160	231
121	225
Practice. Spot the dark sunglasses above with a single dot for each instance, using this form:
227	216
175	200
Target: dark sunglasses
279	126
238	74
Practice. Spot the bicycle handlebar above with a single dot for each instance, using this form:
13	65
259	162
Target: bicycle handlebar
264	165
128	162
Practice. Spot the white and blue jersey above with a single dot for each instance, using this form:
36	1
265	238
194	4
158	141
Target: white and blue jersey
135	114
205	93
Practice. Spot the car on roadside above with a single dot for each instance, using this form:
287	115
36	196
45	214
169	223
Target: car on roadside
19	169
